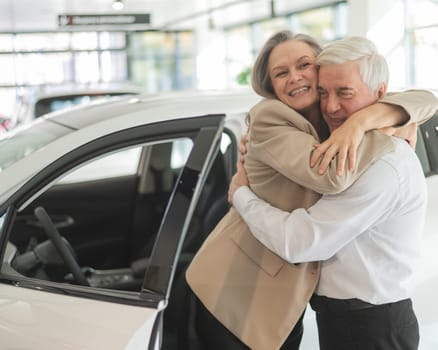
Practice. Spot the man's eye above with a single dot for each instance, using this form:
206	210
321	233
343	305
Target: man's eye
346	95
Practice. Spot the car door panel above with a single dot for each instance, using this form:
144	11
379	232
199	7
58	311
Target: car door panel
91	324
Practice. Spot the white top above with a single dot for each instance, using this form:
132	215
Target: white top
368	236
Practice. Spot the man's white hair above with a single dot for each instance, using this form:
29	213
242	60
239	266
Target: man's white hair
373	67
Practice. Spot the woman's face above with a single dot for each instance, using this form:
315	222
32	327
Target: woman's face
294	75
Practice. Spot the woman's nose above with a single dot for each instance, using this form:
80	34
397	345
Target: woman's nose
294	76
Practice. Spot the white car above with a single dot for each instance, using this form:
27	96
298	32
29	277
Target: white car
124	182
102	208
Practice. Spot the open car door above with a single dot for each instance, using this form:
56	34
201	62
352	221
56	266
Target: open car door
42	313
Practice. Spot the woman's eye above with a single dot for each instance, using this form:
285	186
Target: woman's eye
281	74
305	65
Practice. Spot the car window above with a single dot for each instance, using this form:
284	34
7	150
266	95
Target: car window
124	163
225	142
25	140
105	218
180	152
121	163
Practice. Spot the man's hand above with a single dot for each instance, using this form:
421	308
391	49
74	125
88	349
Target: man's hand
343	142
407	132
242	144
239	179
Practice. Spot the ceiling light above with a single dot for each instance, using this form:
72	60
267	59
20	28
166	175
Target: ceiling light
117	5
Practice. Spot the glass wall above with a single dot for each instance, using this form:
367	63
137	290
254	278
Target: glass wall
244	42
422	40
53	58
410	43
153	60
162	61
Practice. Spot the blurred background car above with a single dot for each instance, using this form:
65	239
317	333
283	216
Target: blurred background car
5	123
37	102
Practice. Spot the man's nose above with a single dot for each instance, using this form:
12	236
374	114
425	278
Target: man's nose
332	104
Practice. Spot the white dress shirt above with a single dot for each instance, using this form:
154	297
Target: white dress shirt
367	237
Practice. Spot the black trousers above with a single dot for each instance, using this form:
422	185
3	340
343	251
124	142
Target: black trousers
364	326
215	336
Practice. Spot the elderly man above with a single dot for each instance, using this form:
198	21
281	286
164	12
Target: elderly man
368	236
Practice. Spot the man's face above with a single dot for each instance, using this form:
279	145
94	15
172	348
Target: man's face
342	92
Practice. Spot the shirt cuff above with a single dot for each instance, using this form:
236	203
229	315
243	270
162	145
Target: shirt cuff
242	197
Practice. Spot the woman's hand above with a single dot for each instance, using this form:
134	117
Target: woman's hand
343	143
345	140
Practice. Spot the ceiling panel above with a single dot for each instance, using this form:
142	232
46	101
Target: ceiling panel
29	15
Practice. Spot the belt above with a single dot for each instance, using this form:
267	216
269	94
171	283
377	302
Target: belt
325	304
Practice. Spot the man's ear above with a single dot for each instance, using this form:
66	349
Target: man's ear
382	90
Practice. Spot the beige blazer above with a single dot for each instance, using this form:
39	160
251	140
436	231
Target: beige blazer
253	292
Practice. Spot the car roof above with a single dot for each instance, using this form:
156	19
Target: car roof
129	111
92	121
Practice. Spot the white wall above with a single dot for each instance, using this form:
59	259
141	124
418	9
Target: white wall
383	22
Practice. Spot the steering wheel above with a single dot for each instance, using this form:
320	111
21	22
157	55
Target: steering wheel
61	245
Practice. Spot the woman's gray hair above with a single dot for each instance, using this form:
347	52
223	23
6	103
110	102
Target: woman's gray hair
373	67
260	80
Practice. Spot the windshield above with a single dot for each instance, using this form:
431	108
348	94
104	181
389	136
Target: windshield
23	141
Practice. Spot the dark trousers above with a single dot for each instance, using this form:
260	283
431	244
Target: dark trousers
361	326
215	336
